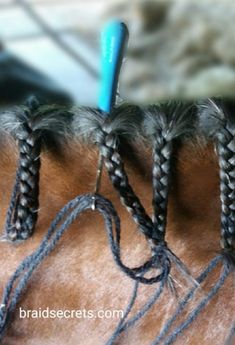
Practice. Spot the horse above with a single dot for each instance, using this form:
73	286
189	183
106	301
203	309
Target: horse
80	272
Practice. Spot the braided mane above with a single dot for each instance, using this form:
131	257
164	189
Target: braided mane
162	127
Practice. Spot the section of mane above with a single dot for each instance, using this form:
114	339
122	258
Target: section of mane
80	273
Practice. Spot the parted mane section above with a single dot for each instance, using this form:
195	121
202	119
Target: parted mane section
125	121
222	131
31	126
53	119
162	125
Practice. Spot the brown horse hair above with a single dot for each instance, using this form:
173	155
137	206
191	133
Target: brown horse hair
29	125
160	125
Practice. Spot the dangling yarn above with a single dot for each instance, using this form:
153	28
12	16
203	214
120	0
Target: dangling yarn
162	124
106	134
19	280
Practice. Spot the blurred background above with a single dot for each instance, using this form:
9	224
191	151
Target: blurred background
181	49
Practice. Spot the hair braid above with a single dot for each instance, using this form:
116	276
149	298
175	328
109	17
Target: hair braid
105	133
226	154
162	152
219	124
163	124
119	179
22	215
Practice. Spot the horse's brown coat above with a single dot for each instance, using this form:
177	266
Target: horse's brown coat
80	273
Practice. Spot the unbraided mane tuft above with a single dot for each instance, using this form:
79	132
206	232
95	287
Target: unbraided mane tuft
54	119
173	119
124	120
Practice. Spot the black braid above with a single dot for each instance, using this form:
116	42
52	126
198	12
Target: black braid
216	122
119	178
166	123
163	124
163	139
23	210
226	154
105	133
162	153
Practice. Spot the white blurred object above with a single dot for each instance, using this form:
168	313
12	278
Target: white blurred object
177	49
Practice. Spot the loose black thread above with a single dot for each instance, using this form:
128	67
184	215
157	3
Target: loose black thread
75	207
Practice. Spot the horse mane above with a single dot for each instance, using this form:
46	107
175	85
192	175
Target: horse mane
35	126
129	121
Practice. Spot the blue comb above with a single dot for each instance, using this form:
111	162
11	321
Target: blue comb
113	42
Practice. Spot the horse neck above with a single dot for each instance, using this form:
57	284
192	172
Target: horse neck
193	209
